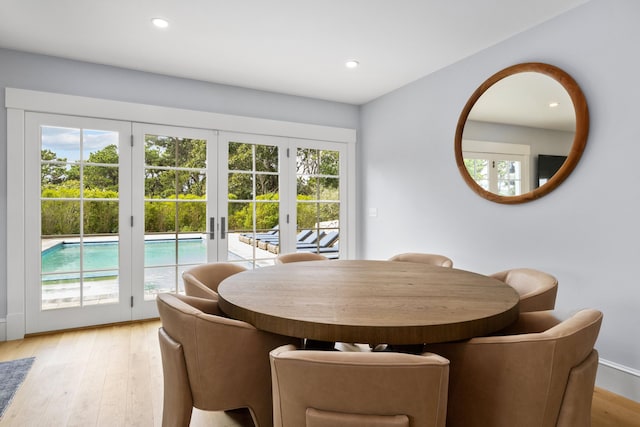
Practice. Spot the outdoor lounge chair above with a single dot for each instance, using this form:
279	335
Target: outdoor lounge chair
272	232
264	242
326	241
310	239
252	238
329	253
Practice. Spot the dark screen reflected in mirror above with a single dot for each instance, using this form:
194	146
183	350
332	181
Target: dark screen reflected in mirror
547	167
521	133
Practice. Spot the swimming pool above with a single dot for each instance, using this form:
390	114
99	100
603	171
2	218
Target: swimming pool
100	259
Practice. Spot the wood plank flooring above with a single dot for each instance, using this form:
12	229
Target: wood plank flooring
112	376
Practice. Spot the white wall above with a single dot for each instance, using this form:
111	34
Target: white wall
43	73
586	232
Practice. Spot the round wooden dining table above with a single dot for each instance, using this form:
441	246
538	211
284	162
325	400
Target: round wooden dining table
373	302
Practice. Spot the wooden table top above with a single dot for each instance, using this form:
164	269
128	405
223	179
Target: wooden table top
369	301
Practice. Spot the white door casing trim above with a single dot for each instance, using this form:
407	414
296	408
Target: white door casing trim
47	102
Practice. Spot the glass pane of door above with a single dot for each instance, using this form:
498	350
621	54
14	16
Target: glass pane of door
175	209
253	201
318	201
478	170
79	217
509	177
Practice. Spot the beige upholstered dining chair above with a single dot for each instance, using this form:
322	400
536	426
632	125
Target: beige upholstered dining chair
299	256
431	259
541	374
537	289
351	389
202	281
212	362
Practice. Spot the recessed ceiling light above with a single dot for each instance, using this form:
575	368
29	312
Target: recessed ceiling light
352	64
160	22
553	104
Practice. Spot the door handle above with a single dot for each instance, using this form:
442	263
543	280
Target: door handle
212	228
223	227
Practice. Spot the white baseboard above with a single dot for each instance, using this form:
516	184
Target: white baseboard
14	327
619	379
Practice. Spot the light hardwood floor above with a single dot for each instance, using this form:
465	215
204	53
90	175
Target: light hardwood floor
112	376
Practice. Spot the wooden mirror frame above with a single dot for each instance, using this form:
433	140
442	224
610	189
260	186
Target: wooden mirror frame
579	141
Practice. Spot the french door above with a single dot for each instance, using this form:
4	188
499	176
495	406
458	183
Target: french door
320	189
251	193
281	195
77	238
497	167
174	187
117	211
498	173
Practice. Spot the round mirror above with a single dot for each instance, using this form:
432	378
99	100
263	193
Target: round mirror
521	133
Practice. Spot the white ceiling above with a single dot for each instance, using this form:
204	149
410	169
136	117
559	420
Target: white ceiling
296	47
524	99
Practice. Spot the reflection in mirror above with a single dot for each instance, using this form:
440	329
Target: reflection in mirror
521	133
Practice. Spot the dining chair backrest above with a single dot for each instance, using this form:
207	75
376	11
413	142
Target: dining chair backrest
539	372
353	389
537	289
299	256
212	362
203	280
431	259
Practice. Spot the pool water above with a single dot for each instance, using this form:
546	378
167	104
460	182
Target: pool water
101	258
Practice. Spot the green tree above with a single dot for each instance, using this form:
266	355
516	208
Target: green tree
266	213
103	177
163	155
52	173
60	217
174	170
317	172
247	161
